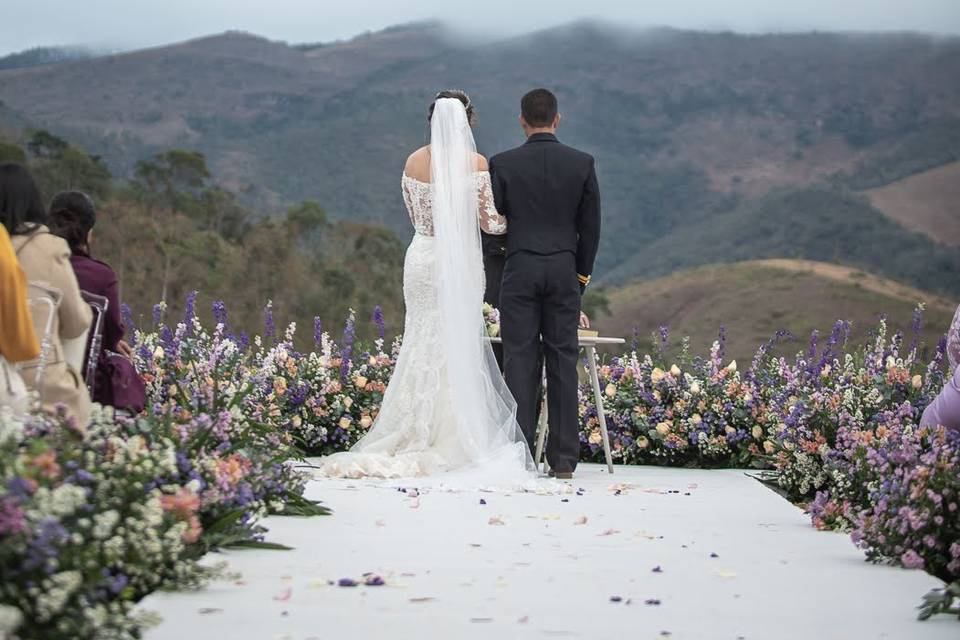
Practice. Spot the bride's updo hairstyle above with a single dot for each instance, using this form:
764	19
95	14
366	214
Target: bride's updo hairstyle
457	94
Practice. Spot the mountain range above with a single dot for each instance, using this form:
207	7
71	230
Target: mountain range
710	147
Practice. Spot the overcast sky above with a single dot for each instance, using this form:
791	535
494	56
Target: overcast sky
138	23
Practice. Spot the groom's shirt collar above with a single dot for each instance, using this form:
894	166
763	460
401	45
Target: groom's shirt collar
542	137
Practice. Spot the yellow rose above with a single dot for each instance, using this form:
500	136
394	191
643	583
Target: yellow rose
279	386
158	354
296	421
365	422
345	422
360	382
642	442
611	390
348	402
675	371
730	429
696	418
663	428
917	381
695	387
372	361
595	437
826	371
768	446
657	375
757	432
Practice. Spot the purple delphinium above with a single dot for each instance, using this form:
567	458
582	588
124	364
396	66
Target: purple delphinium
220	312
157	313
722	339
378	320
269	327
346	351
126	315
190	310
317	330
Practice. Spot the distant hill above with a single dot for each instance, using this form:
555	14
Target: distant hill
755	299
48	55
710	146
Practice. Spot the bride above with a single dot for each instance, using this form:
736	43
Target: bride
447	412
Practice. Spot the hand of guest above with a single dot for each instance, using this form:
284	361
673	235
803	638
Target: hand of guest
125	349
584	321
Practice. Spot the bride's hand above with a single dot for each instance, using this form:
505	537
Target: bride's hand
584	321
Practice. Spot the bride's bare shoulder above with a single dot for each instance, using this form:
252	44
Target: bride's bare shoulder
482	163
418	164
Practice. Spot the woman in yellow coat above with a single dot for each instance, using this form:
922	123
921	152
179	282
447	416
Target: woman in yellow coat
18	342
45	258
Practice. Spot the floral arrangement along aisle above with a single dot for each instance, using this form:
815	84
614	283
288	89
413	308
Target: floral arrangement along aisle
93	518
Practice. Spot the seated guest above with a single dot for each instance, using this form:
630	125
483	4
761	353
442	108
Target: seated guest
945	408
45	258
72	217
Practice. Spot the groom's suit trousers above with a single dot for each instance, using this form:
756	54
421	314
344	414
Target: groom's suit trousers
540	300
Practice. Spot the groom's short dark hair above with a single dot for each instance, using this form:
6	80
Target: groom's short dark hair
539	108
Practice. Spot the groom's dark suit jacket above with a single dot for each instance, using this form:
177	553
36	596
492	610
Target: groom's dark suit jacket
549	195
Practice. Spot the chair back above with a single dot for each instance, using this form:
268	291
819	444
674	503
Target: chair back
43	300
99	304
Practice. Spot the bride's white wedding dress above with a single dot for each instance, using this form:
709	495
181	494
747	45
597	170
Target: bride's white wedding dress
446	414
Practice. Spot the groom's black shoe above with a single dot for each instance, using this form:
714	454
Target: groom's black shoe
561	475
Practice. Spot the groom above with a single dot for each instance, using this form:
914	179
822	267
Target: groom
550	197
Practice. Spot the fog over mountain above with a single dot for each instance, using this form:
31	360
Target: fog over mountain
122	23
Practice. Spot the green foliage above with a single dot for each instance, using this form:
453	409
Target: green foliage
10	152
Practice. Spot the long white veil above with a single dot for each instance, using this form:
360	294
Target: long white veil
484	408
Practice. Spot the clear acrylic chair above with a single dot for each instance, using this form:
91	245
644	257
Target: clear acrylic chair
44	301
99	305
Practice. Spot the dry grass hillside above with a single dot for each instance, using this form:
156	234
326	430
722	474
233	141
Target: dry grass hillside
928	202
755	299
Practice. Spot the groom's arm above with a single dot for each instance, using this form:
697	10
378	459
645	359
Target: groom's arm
588	226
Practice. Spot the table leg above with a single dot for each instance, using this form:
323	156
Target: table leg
598	395
543	425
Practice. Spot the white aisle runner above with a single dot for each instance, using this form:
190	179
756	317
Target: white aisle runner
677	553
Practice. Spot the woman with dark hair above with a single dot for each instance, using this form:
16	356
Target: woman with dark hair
45	258
117	384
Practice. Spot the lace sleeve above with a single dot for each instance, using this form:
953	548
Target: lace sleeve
490	221
407	199
953	342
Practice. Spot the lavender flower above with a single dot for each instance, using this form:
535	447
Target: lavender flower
317	330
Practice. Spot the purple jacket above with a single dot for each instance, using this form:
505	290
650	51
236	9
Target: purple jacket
99	278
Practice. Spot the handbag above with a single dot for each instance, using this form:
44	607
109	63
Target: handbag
13	391
119	383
